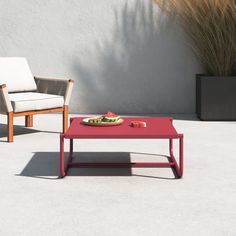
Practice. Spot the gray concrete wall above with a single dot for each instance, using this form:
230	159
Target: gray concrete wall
124	55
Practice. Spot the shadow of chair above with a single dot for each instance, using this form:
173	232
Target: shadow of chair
20	130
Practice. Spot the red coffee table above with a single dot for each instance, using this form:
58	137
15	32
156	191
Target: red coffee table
157	128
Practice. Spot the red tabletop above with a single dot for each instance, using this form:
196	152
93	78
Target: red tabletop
157	127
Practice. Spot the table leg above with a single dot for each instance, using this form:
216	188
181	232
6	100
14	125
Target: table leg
178	167
71	147
181	155
70	158
62	156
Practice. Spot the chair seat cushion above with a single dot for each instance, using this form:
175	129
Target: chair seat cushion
30	101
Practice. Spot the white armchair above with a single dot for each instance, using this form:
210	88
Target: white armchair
21	94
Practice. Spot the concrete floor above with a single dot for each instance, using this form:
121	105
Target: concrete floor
138	201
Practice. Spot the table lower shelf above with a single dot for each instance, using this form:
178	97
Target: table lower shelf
120	164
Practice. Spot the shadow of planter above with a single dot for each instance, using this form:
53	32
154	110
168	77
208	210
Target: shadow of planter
216	98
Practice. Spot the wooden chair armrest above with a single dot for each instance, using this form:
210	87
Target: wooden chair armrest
3	86
5	104
54	79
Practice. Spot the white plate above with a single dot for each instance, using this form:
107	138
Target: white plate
85	121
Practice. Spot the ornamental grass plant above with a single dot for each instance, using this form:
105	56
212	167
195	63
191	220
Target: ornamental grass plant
211	25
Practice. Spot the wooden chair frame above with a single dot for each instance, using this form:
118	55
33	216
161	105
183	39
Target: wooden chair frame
66	92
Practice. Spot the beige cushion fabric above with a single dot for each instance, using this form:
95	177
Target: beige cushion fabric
16	74
55	86
5	104
30	101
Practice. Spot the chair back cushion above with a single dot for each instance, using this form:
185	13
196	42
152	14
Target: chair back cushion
16	74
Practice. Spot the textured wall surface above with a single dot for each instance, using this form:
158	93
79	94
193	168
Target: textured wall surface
124	55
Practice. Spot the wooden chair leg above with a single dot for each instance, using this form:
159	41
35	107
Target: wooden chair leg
29	121
10	117
65	118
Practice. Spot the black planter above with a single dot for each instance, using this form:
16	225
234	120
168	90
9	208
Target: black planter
216	98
